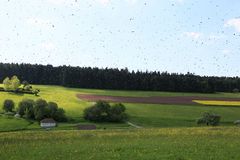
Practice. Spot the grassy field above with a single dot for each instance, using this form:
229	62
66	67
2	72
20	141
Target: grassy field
65	97
9	123
168	131
221	143
146	115
150	115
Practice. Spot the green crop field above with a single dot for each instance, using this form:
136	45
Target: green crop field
167	131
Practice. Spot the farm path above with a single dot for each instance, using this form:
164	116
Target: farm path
134	125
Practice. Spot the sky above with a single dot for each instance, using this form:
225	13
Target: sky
177	36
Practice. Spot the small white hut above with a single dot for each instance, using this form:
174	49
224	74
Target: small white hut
48	123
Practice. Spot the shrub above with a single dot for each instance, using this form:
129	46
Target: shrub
98	112
209	119
117	113
29	113
25	107
8	105
59	115
21	109
103	112
56	113
52	107
40	109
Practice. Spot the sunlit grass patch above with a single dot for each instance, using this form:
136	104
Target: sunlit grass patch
218	103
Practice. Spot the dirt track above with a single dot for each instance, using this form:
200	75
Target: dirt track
150	100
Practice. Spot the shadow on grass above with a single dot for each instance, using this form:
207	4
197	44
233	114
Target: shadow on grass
16	94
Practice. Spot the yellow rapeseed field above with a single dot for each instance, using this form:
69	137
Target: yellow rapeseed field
218	103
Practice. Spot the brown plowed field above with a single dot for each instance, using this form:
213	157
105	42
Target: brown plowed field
150	100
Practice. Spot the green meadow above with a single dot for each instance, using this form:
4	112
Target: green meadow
166	132
218	143
145	115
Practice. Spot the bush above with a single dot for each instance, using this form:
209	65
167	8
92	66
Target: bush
8	105
117	113
40	109
209	119
103	112
59	115
98	112
52	107
56	113
25	107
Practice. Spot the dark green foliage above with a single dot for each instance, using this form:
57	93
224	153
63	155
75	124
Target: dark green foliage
209	119
29	113
103	112
40	114
52	107
98	112
21	109
86	77
117	113
25	107
41	109
8	105
59	115
56	113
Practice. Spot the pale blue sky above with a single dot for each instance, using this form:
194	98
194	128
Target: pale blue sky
198	36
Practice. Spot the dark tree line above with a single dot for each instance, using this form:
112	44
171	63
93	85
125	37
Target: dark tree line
122	79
